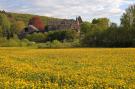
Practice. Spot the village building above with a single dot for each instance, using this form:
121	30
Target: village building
65	24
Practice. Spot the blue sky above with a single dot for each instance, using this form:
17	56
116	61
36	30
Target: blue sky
69	9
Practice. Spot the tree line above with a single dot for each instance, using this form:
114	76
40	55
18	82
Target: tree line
101	33
98	33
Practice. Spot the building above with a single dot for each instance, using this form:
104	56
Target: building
65	24
28	30
53	25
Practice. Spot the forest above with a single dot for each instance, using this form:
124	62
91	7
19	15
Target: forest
100	32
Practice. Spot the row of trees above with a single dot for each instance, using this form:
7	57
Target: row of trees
4	26
8	28
98	33
62	35
101	33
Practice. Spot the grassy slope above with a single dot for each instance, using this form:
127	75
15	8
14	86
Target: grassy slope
69	68
27	17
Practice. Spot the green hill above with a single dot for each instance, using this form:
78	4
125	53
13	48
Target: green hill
26	17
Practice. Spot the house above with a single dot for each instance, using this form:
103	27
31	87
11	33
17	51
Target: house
65	24
35	25
28	30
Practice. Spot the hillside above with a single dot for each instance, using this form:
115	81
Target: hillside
26	17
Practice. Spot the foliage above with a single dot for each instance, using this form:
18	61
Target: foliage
62	35
75	43
85	27
55	44
68	35
128	18
4	22
5	25
112	37
15	42
103	23
98	33
37	22
92	33
26	17
17	27
37	37
58	44
1	31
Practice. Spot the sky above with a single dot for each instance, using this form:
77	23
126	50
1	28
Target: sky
69	9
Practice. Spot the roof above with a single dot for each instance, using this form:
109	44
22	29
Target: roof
33	27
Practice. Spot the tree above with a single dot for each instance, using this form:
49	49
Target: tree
62	35
128	24
113	25
17	27
0	31
5	25
37	37
92	33
103	23
85	27
37	22
128	18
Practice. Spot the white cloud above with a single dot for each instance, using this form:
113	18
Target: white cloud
88	9
80	7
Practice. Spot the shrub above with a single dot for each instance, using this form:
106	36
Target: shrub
76	43
37	37
55	44
14	42
62	35
44	45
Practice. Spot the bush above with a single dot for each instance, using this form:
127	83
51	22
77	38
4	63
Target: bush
62	35
55	44
9	43
14	42
37	37
76	43
58	44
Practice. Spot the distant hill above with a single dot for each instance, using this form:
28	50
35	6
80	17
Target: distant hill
27	17
49	23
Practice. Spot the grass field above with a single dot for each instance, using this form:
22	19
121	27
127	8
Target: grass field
93	68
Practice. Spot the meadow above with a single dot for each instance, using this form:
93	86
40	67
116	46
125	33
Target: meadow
88	68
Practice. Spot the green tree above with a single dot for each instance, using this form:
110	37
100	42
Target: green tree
103	23
85	27
17	27
62	35
0	31
92	33
5	25
128	18
37	37
128	24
